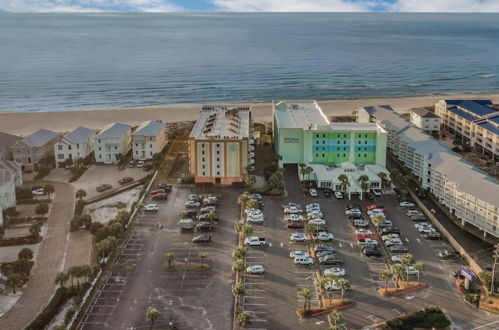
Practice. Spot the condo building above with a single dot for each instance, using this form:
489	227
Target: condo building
220	145
467	192
425	120
304	135
148	139
474	122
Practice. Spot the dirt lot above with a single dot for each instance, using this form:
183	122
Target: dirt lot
105	210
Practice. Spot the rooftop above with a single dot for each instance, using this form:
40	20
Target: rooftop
425	113
299	114
149	128
39	138
79	135
115	130
7	139
222	122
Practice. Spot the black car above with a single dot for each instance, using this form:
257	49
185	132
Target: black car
323	247
207	217
352	206
330	259
202	239
371	252
354	217
398	249
390	230
205	226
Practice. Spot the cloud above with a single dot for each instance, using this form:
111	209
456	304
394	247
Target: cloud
291	5
65	6
451	6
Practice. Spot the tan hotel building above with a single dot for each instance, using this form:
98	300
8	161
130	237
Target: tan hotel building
220	145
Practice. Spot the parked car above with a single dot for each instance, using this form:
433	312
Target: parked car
324	253
191	214
376	192
417	217
140	163
409	270
396	259
208	209
159	196
433	235
313	207
407	204
293	217
372	252
202	239
412	213
210	201
126	180
398	249
319	222
355	216
352	206
314	215
254	241
330	260
323	237
157	191
151	208
353	211
292	210
388	237
393	242
194	197
41	192
304	261
291	204
332	286
255	269
336	271
295	225
103	187
205	225
165	186
327	193
131	164
298	237
322	247
208	217
390	230
297	254
312	192
375	206
447	254
191	203
338	195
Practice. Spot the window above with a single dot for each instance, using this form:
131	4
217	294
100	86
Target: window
136	144
99	148
316	135
344	141
323	135
69	147
60	156
136	152
365	155
323	141
344	135
365	148
202	145
202	159
203	166
150	153
218	159
59	147
344	148
204	173
218	145
218	173
218	152
150	146
323	155
100	156
77	146
150	138
366	135
218	166
202	152
344	155
115	148
365	142
99	140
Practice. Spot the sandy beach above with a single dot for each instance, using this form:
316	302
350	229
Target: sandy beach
25	123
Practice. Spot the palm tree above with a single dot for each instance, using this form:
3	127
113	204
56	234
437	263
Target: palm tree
61	278
313	227
247	230
345	183
182	214
386	276
364	183
11	213
306	295
343	285
152	315
384	180
322	283
406	260
86	271
169	258
308	170
250	180
378	219
243	198
139	207
335	318
13	281
80	194
238	291
201	257
397	270
48	189
211	214
243	318
302	170
238	266
239	252
238	226
42	209
419	267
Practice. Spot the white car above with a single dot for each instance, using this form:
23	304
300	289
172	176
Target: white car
298	254
332	286
336	271
397	259
369	241
353	211
298	237
314	215
38	192
293	217
392	242
292	210
390	236
151	207
255	219
323	237
140	163
255	269
191	203
376	192
407	204
409	270
374	212
313	207
338	195
362	231
306	261
426	230
319	222
312	192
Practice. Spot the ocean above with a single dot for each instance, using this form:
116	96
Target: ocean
58	62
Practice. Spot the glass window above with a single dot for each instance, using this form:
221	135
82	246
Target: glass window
59	147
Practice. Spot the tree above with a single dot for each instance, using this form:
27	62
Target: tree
25	253
238	266
247	230
385	182
122	217
76	223
86	219
11	213
152	315
238	226
302	170
486	278
61	279
95	226
86	271
406	260
250	180
169	258
48	189
344	183
335	318
419	267
238	291
239	252
343	285
378	219
35	230
386	275
243	318
313	227
243	198
211	214
306	295
322	283
21	265
42	209
119	158
252	204
201	257
13	280
80	194
397	270
364	183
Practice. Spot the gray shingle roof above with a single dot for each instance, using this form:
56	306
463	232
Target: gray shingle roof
79	135
114	130
39	138
7	139
149	128
425	113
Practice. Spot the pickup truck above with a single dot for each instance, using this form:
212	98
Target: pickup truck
254	241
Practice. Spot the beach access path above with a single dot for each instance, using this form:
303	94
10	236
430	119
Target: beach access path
50	260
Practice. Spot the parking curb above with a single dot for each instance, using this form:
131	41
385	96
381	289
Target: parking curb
407	290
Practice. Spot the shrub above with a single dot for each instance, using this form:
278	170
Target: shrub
472	298
79	207
45	316
76	173
187	180
69	314
95	226
23	193
25	253
42	172
76	223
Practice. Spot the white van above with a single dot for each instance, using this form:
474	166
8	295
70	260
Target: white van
303	261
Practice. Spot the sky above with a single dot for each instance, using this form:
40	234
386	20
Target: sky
249	6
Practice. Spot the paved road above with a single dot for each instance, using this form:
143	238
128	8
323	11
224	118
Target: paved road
50	260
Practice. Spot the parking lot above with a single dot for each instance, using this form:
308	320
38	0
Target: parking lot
184	298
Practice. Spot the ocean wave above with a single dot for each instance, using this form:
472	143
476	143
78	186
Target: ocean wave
487	75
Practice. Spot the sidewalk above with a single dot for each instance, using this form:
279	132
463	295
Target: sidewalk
50	260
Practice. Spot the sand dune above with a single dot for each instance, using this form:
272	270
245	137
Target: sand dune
25	123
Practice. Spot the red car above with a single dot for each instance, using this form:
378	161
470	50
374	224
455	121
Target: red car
375	206
157	191
295	225
361	237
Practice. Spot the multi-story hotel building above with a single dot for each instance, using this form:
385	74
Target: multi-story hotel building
467	192
220	145
304	135
475	122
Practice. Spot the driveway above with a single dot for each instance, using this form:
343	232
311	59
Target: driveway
51	256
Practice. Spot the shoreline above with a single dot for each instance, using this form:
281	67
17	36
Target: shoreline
24	123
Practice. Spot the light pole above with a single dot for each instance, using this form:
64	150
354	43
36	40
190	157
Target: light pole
170	323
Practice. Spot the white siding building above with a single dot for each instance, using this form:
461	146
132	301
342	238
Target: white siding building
75	145
148	139
6	140
10	178
425	120
467	192
113	140
28	152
